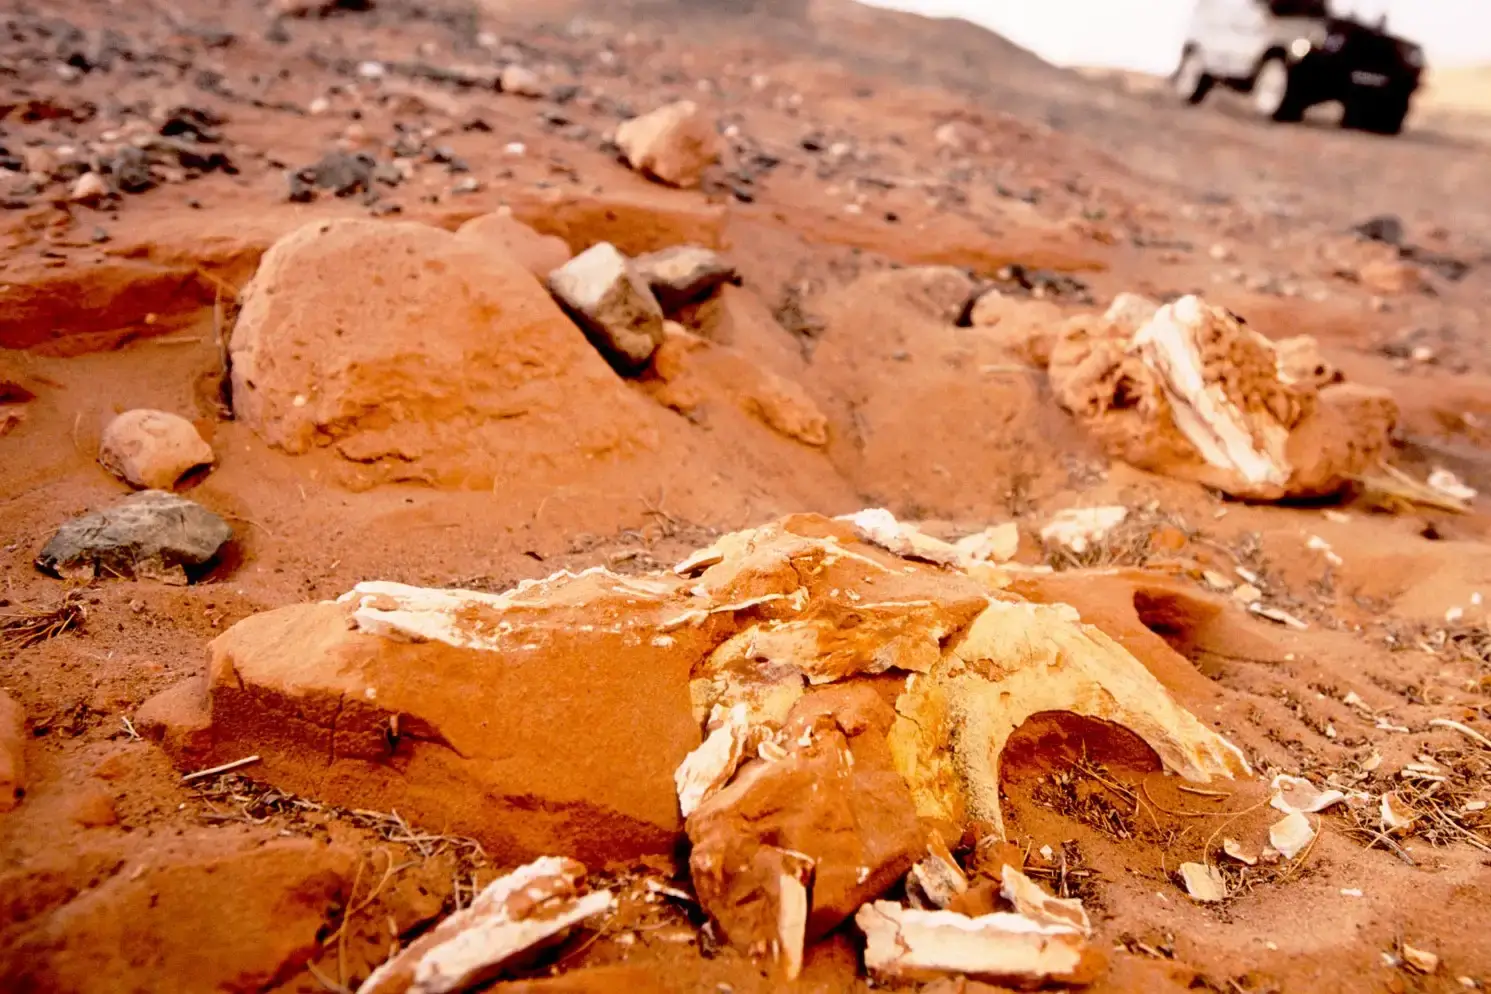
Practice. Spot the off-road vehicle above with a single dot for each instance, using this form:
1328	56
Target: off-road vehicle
1292	54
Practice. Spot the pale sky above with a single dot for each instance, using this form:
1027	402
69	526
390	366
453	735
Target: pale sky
1147	34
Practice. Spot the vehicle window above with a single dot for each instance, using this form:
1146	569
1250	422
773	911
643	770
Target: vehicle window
1299	8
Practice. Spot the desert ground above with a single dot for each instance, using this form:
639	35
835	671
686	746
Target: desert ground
491	550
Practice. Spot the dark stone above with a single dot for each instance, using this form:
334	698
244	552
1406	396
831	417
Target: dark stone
683	274
131	170
338	172
1386	228
192	123
151	534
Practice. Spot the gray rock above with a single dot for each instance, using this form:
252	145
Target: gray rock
612	305
131	169
149	535
683	274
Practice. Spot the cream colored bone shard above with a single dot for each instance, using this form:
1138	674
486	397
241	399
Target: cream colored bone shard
713	763
1018	660
530	907
911	944
1034	903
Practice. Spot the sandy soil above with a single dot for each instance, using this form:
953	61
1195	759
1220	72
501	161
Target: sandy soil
840	172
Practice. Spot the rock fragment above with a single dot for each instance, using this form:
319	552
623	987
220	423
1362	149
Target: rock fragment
674	144
1028	899
522	81
1421	960
152	449
1203	882
516	916
710	767
1292	835
612	304
12	753
148	535
829	794
936	880
907	944
683	274
1395	813
1293	794
90	188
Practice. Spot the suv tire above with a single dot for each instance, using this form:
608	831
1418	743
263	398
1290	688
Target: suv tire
1191	80
1274	93
1380	116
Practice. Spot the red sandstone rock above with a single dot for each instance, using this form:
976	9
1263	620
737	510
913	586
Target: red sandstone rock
673	144
539	254
152	449
833	797
257	913
419	355
548	719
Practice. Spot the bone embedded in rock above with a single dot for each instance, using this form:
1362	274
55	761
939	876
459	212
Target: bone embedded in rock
910	944
1034	903
1131	311
1249	443
1017	660
518	914
713	763
470	619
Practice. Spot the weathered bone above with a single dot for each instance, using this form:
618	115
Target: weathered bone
909	944
531	907
1018	660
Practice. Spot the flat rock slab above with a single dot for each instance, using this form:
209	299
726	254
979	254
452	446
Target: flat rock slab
150	535
545	720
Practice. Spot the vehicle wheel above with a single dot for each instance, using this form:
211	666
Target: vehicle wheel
1191	80
1273	92
1380	117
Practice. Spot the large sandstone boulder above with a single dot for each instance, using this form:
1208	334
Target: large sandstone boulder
1194	393
673	144
415	354
545	720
